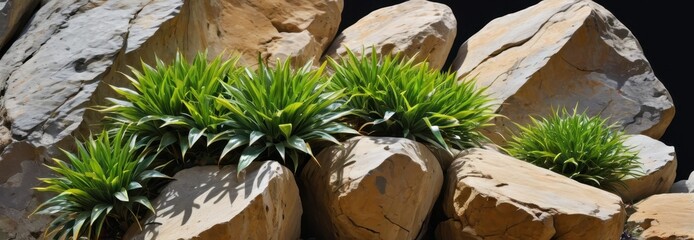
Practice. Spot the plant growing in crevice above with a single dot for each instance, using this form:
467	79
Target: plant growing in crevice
581	147
172	106
280	111
103	187
394	96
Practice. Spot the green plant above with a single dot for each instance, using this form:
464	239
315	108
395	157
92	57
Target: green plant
280	111
397	97
584	148
172	105
103	184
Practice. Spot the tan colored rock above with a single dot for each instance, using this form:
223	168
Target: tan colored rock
490	195
370	188
559	53
13	16
419	27
684	186
212	203
657	168
665	216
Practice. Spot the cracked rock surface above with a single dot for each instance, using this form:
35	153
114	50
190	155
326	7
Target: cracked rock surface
13	16
489	195
419	27
209	203
371	188
657	169
664	216
565	53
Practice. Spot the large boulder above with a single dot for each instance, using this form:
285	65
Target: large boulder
46	77
656	171
13	16
490	195
565	53
370	188
419	27
72	50
664	216
684	186
213	203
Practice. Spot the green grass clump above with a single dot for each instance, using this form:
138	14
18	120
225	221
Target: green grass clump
280	111
396	97
103	187
172	106
578	146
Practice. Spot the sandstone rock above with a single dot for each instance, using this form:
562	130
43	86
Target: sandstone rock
211	203
419	27
370	188
13	16
560	53
658	166
684	186
490	195
665	216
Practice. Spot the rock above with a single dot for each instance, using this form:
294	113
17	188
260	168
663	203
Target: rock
370	188
684	186
657	166
665	216
211	203
490	195
13	16
19	173
48	77
560	53
419	27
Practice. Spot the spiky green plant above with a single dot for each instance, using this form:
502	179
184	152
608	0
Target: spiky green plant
581	147
172	105
102	186
281	111
397	97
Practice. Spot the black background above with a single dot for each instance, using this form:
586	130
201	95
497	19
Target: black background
659	27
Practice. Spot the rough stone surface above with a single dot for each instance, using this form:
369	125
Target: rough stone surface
559	53
665	216
419	27
211	203
370	188
47	77
490	195
657	169
13	16
684	186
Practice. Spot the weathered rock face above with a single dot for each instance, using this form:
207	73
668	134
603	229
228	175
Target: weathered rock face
211	203
13	15
46	77
658	167
73	49
665	216
490	195
371	188
684	186
419	27
560	53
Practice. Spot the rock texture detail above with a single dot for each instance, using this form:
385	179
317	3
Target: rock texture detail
370	188
211	203
684	186
419	27
13	16
658	167
560	53
665	216
490	195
